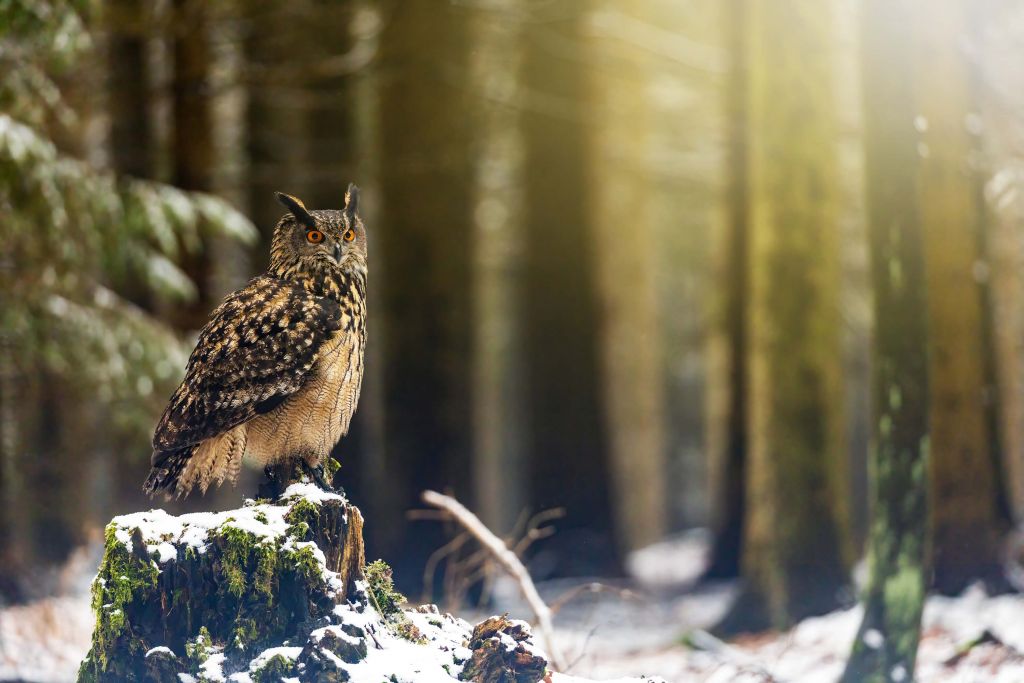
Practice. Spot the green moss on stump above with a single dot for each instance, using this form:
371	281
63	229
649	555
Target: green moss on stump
247	580
388	601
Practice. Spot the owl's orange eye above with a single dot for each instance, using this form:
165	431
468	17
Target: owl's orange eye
314	237
349	235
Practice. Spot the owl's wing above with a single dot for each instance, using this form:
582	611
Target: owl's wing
257	349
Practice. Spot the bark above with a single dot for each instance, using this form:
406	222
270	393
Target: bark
425	240
567	435
629	339
969	516
795	531
727	394
894	597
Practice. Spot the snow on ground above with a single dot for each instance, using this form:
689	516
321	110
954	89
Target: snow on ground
614	633
45	640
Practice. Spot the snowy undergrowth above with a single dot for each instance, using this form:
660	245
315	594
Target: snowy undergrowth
606	637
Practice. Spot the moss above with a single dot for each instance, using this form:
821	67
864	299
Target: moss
246	554
199	649
275	668
389	601
304	561
302	510
332	467
382	589
408	630
301	517
299	532
266	569
247	631
123	577
238	547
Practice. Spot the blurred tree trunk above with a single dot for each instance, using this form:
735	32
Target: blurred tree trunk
131	153
499	465
10	563
192	138
796	526
898	464
271	129
368	436
969	515
330	104
727	384
131	135
1000	105
632	372
54	471
567	435
425	237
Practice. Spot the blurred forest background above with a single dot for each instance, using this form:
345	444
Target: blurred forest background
619	262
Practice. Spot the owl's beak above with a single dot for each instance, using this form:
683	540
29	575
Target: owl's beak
337	253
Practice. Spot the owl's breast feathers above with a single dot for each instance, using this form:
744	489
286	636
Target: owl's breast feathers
261	346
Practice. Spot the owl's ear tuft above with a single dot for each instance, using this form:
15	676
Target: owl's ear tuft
297	209
351	199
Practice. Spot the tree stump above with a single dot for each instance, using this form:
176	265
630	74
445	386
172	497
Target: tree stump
274	591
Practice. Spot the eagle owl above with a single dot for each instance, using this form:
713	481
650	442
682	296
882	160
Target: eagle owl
276	373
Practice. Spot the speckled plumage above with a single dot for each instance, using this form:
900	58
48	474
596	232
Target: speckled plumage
277	370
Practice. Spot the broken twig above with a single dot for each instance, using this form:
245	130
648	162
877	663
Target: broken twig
507	559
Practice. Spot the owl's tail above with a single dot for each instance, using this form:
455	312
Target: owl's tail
167	468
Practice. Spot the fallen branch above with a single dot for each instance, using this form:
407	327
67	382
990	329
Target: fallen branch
508	560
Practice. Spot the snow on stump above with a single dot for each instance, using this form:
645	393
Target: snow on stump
277	591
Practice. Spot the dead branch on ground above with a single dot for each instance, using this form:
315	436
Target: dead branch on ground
508	560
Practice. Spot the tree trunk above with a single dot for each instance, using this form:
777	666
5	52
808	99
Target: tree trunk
131	135
567	439
898	463
192	139
273	121
131	154
795	533
968	519
1000	104
425	237
727	357
628	330
499	452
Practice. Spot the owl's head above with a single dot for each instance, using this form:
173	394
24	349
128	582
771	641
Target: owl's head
314	246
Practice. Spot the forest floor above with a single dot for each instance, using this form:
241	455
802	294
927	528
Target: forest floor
637	630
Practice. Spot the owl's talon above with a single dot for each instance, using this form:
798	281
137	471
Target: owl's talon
318	475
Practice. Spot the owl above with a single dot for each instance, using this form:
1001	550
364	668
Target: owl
276	373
